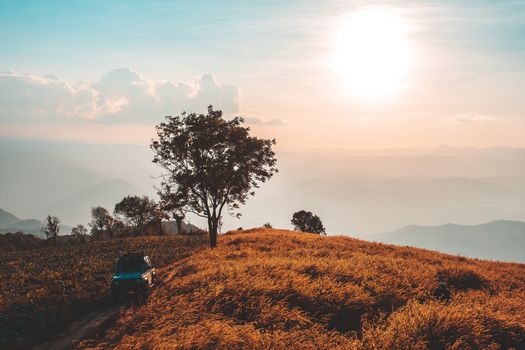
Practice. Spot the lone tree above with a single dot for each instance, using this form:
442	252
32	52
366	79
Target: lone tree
174	205
101	222
305	221
79	232
211	163
137	211
51	227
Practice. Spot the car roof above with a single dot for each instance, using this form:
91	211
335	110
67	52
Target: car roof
133	256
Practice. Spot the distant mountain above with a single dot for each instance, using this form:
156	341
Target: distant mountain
76	208
350	204
29	226
32	182
6	218
498	240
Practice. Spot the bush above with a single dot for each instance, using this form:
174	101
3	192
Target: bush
305	221
462	278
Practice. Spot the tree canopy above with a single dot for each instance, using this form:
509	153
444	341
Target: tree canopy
211	163
51	227
101	222
137	211
306	221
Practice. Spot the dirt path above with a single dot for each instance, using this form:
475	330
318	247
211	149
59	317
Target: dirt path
87	327
94	324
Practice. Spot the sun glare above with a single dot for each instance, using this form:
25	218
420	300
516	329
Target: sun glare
372	53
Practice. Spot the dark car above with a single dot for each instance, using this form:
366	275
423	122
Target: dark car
133	273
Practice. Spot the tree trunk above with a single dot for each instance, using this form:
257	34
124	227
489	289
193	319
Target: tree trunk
179	225
212	228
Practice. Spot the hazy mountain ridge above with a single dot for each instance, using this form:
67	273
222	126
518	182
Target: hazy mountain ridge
29	226
6	218
498	240
368	205
354	192
77	207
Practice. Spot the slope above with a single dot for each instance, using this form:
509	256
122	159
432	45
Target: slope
76	208
7	219
274	289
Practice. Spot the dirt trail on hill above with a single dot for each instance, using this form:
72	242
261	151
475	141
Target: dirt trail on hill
87	327
96	323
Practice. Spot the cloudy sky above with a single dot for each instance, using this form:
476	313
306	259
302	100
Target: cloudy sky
323	75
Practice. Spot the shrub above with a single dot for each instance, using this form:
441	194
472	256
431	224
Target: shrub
461	278
305	221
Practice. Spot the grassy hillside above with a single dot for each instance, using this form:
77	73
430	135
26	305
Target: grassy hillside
273	289
42	291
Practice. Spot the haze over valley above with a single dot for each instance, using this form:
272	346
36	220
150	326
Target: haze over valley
359	193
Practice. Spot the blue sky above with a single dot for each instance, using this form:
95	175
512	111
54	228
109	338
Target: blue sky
268	60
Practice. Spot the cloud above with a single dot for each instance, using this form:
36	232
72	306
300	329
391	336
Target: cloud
265	122
121	95
470	118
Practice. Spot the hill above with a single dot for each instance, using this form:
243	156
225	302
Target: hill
43	290
353	204
498	240
11	223
7	219
32	182
76	208
274	289
28	226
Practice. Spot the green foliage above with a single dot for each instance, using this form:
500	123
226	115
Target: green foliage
137	212
101	222
305	221
79	231
51	227
210	163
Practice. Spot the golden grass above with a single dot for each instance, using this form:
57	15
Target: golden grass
275	289
43	290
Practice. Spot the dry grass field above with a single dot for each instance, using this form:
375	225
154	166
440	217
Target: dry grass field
43	290
274	289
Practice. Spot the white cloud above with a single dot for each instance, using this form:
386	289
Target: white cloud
470	118
265	122
120	96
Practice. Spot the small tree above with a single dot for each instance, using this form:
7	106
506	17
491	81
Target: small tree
101	222
210	163
51	227
137	211
79	232
170	203
305	221
267	225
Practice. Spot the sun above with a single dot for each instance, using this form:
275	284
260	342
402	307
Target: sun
372	53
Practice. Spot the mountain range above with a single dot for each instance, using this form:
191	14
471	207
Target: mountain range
502	240
358	192
11	223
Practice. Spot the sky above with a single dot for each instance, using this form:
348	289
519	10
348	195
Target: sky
314	75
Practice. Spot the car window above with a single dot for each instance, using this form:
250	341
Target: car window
128	266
